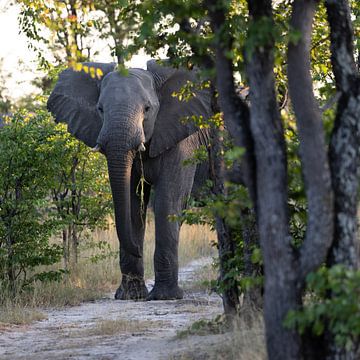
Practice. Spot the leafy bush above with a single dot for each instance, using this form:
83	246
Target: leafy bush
26	221
80	191
49	182
334	304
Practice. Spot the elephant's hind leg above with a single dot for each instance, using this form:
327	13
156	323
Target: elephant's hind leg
132	286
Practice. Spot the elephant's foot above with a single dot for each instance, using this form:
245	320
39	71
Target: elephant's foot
165	293
131	289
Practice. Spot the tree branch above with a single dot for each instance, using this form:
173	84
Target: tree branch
236	111
342	44
313	154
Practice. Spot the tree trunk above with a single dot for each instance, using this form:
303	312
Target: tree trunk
315	166
65	248
226	244
344	153
74	246
237	122
236	111
280	264
345	140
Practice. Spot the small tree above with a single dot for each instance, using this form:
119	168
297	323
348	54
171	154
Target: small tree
63	27
80	191
117	24
26	221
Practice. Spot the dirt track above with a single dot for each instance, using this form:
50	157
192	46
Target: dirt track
109	329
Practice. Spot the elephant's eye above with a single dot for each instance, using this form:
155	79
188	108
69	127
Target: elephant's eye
100	109
147	108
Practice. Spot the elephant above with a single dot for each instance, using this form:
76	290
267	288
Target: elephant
137	123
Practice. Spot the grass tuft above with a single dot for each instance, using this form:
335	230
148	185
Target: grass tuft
120	326
16	314
205	327
245	340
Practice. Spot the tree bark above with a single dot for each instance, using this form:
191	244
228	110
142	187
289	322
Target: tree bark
345	139
344	153
226	244
237	121
74	245
65	248
280	263
236	111
313	153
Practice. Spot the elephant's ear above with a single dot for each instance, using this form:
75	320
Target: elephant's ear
170	127
74	98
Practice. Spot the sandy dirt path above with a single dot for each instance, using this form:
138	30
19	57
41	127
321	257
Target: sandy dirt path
109	329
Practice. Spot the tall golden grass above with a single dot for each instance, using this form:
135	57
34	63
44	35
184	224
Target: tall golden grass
195	242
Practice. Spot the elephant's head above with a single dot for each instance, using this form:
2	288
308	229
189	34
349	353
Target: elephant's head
120	115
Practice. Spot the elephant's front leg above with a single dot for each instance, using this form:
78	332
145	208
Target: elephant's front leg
170	199
132	285
166	258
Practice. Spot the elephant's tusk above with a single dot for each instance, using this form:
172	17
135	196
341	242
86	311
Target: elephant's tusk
96	148
141	147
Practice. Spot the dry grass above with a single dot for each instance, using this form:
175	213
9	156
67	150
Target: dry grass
246	341
87	282
120	326
18	315
195	242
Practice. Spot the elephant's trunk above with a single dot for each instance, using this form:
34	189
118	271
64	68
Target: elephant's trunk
120	165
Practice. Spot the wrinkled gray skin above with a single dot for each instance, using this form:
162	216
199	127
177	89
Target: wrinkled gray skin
122	116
